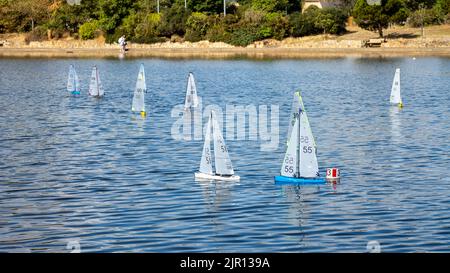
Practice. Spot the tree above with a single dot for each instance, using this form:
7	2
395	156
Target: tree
414	4
270	5
174	20
197	25
112	12
71	17
377	17
33	10
443	7
207	6
10	19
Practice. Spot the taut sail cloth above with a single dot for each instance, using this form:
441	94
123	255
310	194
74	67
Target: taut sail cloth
297	103
289	167
300	159
395	91
206	161
73	83
191	93
138	104
221	157
95	86
308	159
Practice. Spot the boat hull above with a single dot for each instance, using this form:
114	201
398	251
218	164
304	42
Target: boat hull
205	176
298	180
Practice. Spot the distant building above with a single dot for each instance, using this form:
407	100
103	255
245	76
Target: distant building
320	4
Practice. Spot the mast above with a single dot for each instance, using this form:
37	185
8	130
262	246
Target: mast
96	79
212	131
298	142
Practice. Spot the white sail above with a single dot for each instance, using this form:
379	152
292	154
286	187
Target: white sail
101	91
206	161
300	159
289	167
395	91
77	83
191	93
297	103
138	104
73	83
95	86
221	158
308	159
294	114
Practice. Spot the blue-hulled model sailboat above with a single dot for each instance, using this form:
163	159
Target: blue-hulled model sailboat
73	83
300	162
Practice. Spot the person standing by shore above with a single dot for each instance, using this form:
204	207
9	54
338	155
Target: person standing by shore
122	44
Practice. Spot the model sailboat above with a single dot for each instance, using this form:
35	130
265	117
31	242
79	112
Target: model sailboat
300	161
95	86
73	83
395	91
138	104
223	168
191	100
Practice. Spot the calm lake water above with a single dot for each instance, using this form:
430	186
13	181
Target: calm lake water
78	169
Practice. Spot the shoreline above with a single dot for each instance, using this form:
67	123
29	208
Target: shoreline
225	53
399	42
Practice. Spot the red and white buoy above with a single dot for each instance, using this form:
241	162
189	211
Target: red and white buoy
333	174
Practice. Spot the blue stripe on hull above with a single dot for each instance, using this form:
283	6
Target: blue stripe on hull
302	180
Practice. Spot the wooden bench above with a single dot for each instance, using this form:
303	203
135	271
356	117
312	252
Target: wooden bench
373	42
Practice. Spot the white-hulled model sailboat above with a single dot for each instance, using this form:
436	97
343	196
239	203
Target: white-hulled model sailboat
395	91
138	104
73	83
95	86
191	100
223	168
300	161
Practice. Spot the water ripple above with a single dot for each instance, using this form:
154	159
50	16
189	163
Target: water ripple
87	170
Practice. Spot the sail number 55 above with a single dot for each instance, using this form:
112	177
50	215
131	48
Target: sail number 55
289	164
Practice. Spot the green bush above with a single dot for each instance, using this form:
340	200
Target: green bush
301	24
244	36
89	30
430	17
196	27
331	20
443	7
147	30
173	21
249	28
270	5
129	25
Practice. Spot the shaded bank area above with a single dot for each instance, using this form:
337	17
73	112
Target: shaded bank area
223	53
